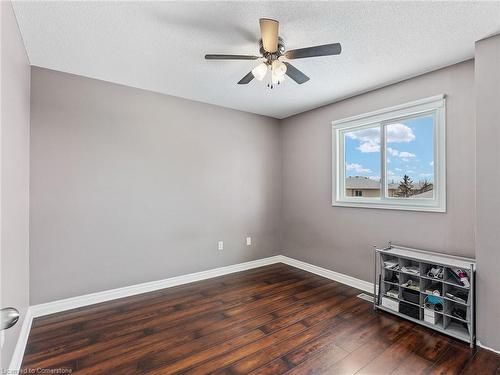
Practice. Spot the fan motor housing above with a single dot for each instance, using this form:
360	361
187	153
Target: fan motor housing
270	56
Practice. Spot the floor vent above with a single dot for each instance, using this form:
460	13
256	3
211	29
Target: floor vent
366	297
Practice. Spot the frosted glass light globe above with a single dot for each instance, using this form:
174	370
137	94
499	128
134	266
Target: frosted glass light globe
260	71
278	69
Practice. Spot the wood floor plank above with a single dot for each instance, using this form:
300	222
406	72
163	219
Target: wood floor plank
237	282
367	342
276	338
138	321
320	362
248	284
322	327
269	320
225	328
455	360
324	343
385	330
394	356
174	292
202	342
483	362
432	346
413	364
154	327
150	341
359	358
314	332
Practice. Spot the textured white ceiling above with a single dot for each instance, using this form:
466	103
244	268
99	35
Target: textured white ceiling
160	46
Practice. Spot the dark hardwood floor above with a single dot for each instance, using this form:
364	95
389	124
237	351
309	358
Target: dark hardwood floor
271	320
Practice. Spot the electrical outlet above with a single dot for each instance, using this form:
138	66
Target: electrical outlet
249	241
220	245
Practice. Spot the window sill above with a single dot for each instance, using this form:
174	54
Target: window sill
390	206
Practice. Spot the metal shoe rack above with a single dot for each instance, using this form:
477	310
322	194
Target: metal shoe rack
455	317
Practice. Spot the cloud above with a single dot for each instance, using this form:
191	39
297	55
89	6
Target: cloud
426	174
368	147
406	155
398	169
365	134
369	139
358	168
392	151
399	133
431	163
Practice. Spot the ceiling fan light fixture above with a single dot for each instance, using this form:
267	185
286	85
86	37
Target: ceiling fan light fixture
260	71
275	79
278	69
273	51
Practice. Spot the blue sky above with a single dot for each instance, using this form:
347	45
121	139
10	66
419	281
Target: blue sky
409	150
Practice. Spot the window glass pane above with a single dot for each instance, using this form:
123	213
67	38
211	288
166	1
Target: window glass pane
410	158
362	162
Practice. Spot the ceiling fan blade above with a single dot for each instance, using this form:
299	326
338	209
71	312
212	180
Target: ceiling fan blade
269	34
295	74
323	50
230	57
246	79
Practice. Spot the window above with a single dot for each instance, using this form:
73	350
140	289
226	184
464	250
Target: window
392	158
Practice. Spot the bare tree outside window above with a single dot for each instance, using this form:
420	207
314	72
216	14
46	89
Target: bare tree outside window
406	188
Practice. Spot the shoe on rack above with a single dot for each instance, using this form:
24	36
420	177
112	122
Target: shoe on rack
436	272
458	313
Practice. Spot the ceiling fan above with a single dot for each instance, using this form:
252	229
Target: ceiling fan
272	49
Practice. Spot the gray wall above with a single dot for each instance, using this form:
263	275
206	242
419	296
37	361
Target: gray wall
129	186
15	120
340	238
487	85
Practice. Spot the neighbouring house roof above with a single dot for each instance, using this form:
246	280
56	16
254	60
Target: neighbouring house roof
361	182
425	194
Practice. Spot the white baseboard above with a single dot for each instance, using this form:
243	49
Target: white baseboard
487	347
108	295
332	275
17	357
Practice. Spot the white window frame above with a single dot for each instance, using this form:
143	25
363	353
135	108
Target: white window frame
436	106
